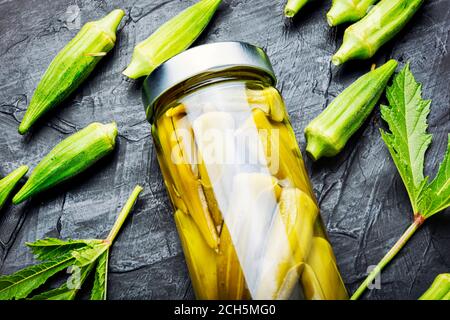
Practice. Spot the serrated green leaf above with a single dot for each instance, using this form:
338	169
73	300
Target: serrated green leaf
51	248
20	284
408	140
99	289
435	196
89	254
61	293
84	254
70	288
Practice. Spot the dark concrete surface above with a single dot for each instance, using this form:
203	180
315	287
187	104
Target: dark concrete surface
363	202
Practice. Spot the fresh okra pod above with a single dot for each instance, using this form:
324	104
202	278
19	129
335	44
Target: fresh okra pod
439	289
171	38
70	157
294	6
8	183
382	23
327	134
72	66
343	11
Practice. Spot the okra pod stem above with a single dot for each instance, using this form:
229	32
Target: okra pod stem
171	38
72	66
381	24
343	11
70	157
8	183
327	134
439	289
294	6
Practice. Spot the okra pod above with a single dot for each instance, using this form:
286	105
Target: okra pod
269	101
171	38
72	66
327	134
382	23
70	157
200	258
294	6
208	190
289	244
320	277
8	183
186	182
165	162
439	289
191	156
343	11
231	280
280	147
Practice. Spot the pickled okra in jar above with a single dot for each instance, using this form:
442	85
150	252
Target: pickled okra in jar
244	208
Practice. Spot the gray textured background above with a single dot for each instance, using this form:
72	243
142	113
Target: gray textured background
363	201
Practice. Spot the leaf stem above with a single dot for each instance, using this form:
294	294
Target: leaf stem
123	214
418	221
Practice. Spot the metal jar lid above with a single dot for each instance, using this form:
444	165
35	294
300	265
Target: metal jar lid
198	60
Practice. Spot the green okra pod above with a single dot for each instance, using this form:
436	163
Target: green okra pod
439	289
343	11
171	38
70	157
381	24
8	183
294	6
72	65
328	133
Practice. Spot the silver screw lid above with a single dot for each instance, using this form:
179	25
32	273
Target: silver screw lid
218	56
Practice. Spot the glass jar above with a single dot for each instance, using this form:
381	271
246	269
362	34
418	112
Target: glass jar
244	208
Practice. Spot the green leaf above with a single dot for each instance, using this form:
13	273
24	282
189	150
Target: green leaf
408	140
82	255
70	288
436	195
52	248
20	284
101	278
89	254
